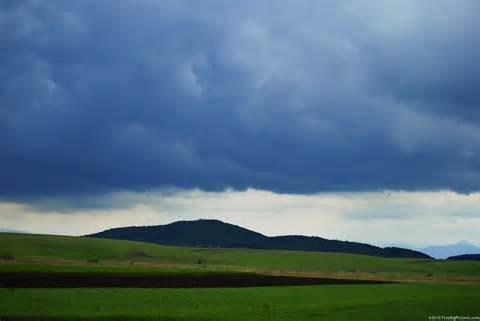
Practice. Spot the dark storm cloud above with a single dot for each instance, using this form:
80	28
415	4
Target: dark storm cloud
302	97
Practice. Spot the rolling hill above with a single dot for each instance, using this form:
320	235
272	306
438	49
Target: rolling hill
465	257
50	253
214	233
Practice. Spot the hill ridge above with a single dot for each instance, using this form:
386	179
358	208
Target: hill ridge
465	257
216	233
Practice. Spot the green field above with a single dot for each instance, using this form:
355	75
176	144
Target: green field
22	252
354	302
431	288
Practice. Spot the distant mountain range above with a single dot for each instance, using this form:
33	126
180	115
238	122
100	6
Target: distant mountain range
6	230
446	251
214	233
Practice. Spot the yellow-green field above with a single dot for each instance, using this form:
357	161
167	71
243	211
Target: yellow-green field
23	252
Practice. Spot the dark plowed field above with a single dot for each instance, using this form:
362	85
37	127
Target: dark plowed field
86	280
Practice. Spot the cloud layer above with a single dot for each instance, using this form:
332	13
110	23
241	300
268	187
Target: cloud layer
297	97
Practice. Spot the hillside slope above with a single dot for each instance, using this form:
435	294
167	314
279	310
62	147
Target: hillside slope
47	253
465	257
214	233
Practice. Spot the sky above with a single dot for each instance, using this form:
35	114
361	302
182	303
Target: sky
355	119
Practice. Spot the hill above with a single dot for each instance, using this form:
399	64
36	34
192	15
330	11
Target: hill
465	257
48	253
201	233
214	233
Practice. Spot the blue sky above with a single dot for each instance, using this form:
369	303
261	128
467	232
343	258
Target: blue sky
109	108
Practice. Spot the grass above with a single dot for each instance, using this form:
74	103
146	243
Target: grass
435	295
337	302
25	252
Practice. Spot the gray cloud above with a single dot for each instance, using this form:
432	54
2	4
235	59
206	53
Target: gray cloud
97	97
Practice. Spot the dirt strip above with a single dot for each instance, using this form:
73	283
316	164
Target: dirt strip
88	280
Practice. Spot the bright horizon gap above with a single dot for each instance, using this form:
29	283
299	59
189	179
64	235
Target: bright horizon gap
413	219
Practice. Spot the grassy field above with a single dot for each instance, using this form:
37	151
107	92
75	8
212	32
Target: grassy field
338	302
432	287
59	253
